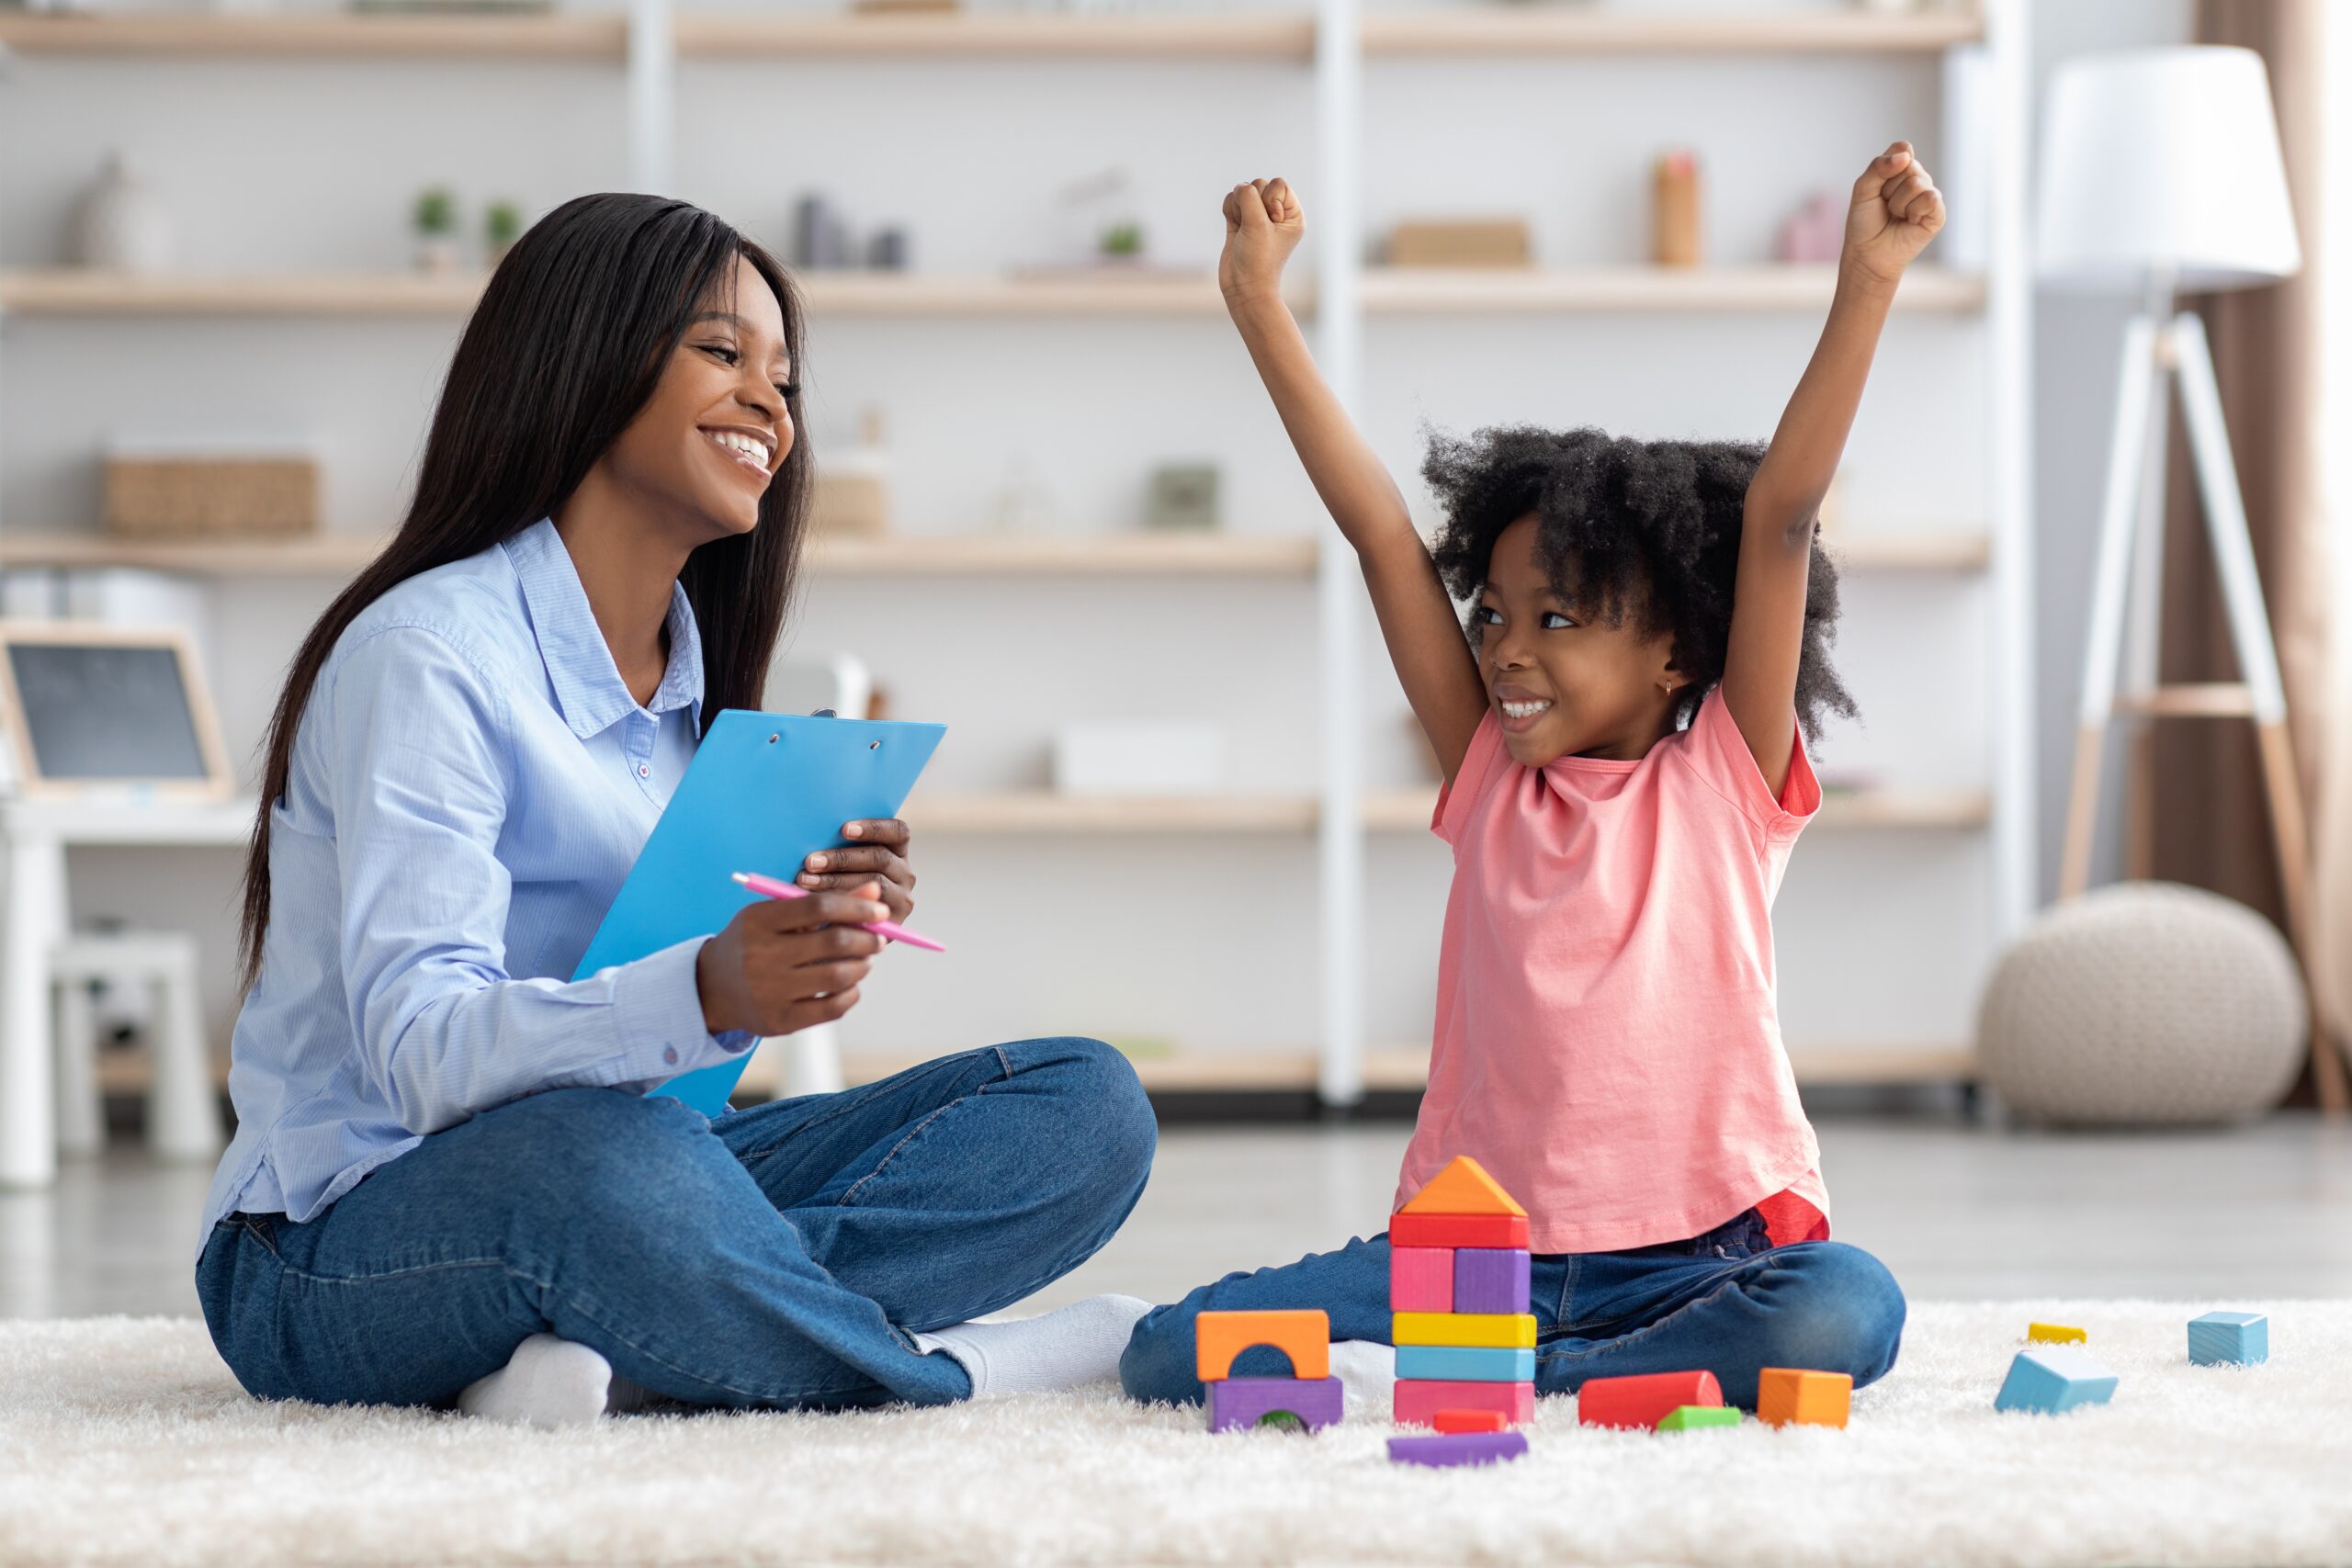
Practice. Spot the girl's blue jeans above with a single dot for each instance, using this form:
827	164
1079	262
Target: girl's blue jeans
1727	1301
778	1256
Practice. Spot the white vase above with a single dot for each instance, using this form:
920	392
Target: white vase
120	225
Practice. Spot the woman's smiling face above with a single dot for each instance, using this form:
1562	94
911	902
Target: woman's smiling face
709	441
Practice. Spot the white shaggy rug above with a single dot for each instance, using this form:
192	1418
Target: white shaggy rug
126	1441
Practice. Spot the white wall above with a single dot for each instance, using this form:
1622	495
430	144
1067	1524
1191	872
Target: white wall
295	166
2076	341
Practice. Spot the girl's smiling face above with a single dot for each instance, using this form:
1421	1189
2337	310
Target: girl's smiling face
1561	684
708	442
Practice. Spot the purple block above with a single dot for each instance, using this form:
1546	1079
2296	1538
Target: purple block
1489	1278
1457	1447
1238	1404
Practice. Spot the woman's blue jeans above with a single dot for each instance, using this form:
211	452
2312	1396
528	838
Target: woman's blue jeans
1728	1302
778	1256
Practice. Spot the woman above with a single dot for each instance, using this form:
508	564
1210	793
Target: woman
449	1183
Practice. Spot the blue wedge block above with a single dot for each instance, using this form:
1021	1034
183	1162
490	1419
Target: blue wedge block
1462	1363
2051	1378
2223	1338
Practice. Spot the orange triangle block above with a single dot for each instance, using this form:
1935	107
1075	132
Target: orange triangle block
1462	1188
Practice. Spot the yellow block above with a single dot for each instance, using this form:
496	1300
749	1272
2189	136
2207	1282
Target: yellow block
2054	1334
1479	1330
1787	1396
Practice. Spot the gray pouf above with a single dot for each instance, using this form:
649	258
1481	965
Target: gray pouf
2145	1002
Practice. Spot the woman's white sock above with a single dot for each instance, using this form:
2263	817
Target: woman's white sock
1080	1343
546	1383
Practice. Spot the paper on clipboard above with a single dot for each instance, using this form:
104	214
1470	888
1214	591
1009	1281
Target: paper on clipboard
764	792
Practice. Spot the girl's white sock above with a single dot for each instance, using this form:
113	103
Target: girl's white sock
1080	1343
546	1383
1367	1372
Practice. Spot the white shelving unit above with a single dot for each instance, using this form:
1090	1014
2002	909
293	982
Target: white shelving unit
651	43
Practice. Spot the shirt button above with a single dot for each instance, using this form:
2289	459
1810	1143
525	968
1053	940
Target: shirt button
670	1055
644	771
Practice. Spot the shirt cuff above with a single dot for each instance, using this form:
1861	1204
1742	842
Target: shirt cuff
659	1009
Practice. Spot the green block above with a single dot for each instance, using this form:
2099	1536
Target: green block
1690	1417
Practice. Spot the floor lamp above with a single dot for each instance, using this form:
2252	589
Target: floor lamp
2162	173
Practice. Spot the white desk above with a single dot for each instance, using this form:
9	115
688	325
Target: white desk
34	836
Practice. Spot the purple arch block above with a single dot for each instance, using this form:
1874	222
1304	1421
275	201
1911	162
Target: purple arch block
1238	1404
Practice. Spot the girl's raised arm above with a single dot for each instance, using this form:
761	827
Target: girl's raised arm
1262	225
1896	211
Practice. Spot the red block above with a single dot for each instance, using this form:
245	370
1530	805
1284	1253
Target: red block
1644	1401
1452	1421
1418	1400
1457	1230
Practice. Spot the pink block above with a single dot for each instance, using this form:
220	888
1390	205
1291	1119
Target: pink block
1421	1279
1420	1399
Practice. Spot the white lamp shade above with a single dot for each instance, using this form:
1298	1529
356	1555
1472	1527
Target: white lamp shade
2164	161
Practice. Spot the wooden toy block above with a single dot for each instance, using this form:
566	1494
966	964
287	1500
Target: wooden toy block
2054	1334
1643	1401
1462	1363
2227	1338
1489	1278
1457	1230
1692	1417
1468	1421
1492	1331
2055	1378
1421	1279
1418	1400
1304	1336
1790	1397
1237	1404
1447	1449
1462	1188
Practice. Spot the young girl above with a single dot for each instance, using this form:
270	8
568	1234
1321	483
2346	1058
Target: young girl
1624	779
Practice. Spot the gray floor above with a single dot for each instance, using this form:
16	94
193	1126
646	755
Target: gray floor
1956	1211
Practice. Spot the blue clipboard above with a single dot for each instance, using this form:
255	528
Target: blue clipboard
764	791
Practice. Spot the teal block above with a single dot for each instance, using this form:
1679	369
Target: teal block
1463	1363
2051	1378
2229	1338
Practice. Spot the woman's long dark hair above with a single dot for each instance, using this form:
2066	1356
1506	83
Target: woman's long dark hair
569	338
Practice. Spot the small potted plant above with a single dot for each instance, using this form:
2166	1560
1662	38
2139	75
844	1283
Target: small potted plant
1122	241
436	222
502	225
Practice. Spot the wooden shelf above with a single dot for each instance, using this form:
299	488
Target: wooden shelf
1520	291
1288	39
1389	291
84	292
1408	811
1405	1067
1958	551
1282	38
1047	812
1558	29
562	35
899	555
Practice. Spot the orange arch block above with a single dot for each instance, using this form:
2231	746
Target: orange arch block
1463	1188
1304	1336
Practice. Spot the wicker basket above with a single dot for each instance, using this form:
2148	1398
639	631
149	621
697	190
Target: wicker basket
210	498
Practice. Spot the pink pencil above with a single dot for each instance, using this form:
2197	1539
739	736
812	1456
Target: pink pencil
769	887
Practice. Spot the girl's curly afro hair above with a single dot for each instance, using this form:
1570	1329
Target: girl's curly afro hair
1645	529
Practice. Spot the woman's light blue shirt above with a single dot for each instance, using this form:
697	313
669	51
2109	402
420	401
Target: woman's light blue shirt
471	783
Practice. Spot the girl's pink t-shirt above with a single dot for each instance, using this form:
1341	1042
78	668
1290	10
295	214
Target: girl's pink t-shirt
1606	1043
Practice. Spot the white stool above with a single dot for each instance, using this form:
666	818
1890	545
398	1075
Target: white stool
183	1111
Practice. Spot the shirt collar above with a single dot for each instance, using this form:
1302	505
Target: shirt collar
588	686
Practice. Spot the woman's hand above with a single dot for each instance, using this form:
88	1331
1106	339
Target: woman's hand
1896	211
784	963
880	850
1262	225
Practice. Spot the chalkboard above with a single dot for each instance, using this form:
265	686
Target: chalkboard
109	710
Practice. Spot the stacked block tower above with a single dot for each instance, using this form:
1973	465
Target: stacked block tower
1458	1286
